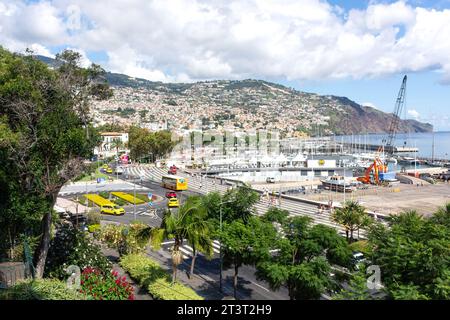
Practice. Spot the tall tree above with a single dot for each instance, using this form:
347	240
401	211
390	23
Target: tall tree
238	203
245	243
352	217
302	258
45	130
187	224
413	253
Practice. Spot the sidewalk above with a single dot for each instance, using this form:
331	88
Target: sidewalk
202	284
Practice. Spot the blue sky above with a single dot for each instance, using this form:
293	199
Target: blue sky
357	48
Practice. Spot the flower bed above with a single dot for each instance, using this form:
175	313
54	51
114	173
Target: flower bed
158	283
98	200
127	197
110	286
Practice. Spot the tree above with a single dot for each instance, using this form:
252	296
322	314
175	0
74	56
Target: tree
117	143
142	143
276	215
352	217
413	253
188	223
302	261
238	203
245	243
356	290
45	133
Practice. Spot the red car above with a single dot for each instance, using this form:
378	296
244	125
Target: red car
172	170
171	194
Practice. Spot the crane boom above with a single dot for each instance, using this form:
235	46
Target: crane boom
397	112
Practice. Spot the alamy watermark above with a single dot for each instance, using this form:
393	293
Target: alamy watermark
374	280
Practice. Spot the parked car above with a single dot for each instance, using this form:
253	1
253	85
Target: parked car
358	259
173	203
270	180
109	170
112	209
171	194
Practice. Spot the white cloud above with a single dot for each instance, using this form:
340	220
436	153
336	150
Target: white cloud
414	114
369	104
189	40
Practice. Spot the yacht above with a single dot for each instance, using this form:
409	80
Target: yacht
337	183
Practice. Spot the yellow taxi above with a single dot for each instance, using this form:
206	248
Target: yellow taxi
112	209
105	166
173	203
109	170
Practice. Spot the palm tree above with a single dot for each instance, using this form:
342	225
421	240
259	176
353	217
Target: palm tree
188	223
352	217
117	143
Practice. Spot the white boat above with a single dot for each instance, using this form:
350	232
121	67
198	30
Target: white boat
337	183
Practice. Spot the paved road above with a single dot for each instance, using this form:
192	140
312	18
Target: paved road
149	179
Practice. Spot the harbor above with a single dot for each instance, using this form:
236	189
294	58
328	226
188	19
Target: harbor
326	170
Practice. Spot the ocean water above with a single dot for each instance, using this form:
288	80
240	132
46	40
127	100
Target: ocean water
422	141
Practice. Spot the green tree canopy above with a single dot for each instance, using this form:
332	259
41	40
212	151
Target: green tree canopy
302	258
44	135
413	253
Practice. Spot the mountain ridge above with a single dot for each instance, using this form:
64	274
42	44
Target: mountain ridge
236	98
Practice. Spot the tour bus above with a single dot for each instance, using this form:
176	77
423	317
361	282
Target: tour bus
174	182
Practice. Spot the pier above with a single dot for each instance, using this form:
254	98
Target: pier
376	147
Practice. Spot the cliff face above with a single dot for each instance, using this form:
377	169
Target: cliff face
364	119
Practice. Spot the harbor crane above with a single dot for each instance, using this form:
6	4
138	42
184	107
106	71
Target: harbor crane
396	119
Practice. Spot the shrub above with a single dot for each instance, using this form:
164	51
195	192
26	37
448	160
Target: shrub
43	289
109	286
73	247
123	238
120	202
144	270
127	197
162	289
93	228
93	217
104	194
157	281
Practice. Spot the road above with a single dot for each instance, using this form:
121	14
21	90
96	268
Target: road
207	270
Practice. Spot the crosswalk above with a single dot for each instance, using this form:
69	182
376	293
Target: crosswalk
187	250
205	185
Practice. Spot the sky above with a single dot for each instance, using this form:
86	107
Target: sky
360	49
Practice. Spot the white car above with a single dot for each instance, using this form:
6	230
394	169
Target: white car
270	180
119	170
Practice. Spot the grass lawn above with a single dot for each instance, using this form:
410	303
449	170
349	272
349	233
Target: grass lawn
98	174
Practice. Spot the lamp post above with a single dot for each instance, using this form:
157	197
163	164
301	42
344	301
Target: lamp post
221	255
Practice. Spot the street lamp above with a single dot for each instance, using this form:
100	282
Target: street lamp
221	255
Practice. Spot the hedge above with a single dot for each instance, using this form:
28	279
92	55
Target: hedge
158	283
98	200
127	197
163	289
43	289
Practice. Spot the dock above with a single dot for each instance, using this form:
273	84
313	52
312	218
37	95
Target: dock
376	147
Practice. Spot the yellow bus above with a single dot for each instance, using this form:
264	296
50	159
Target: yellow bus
174	182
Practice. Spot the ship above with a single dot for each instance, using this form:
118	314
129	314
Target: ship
338	183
